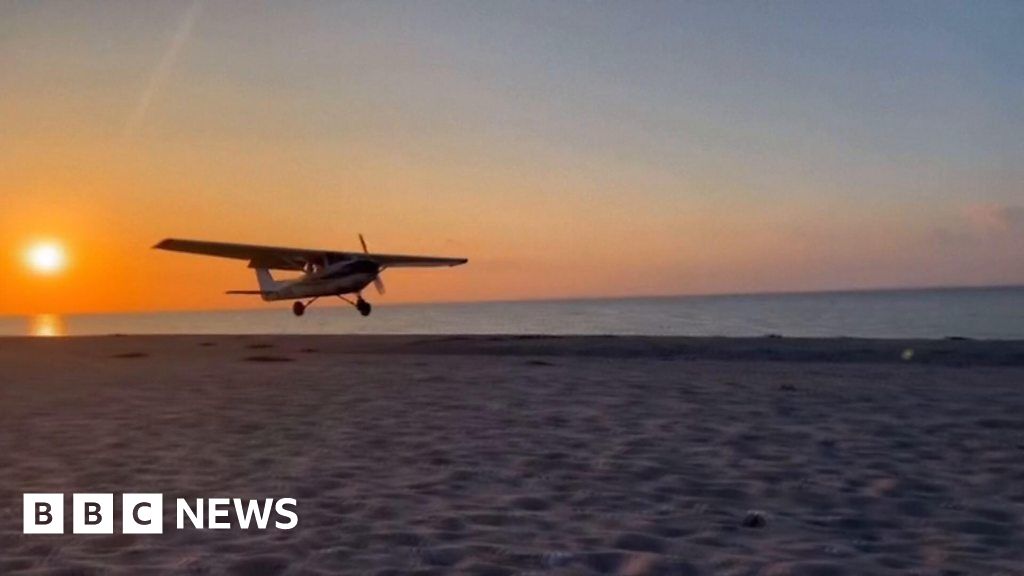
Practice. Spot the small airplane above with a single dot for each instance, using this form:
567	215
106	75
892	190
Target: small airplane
324	272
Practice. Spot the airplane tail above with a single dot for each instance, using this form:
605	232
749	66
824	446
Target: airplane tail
266	281
267	285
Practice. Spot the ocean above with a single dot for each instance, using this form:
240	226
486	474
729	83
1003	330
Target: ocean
983	313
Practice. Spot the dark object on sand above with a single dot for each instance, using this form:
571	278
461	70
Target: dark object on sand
269	359
754	519
131	355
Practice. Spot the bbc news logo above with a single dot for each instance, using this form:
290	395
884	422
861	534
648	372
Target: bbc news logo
144	513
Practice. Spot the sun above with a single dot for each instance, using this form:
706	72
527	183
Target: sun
46	258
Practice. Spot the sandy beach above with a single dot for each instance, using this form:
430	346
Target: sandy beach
526	455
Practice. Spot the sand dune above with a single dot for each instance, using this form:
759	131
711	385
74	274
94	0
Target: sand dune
501	455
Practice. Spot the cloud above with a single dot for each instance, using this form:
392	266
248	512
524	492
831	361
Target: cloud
981	225
995	219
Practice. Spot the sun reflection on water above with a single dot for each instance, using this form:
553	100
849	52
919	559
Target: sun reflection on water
46	325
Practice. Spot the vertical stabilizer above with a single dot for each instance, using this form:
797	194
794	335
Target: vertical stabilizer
267	282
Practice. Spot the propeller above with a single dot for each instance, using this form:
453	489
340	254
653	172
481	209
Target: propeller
377	282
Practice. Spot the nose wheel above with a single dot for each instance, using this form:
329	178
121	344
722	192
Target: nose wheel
361	305
364	307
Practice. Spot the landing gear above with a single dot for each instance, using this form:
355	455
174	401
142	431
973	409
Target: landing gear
363	306
298	308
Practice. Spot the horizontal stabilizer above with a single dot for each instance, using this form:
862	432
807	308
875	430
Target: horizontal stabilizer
255	292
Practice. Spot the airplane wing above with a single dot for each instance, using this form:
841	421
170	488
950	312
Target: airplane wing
404	261
278	258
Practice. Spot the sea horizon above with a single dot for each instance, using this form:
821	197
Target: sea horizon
929	312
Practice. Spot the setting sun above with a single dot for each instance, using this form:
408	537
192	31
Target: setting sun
46	258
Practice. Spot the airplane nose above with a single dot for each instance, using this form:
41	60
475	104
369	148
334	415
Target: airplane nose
367	267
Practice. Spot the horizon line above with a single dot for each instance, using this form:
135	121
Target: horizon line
880	289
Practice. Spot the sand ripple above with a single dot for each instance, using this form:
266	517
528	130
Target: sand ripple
500	465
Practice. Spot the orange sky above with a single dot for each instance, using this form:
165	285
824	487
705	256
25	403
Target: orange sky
532	143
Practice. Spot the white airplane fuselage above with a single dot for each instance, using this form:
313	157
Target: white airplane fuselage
312	287
334	280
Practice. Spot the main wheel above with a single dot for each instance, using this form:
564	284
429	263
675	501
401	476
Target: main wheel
298	308
364	307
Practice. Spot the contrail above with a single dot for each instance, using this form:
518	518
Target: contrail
162	70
